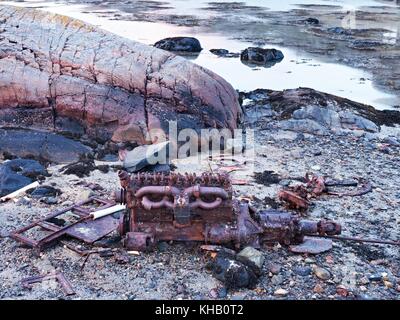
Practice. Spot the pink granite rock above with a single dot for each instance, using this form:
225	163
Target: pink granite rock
60	74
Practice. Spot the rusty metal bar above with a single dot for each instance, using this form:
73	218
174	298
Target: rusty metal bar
65	284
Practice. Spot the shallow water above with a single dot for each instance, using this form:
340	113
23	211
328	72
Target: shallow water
192	6
296	69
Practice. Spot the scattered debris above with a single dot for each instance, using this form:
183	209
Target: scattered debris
298	197
58	276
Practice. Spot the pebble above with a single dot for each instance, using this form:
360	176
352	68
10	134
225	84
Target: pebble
277	280
281	292
316	168
309	260
275	268
162	246
375	277
318	289
302	271
322	273
50	200
67	203
388	284
364	281
342	291
24	202
222	293
252	255
392	141
4	234
85	195
213	293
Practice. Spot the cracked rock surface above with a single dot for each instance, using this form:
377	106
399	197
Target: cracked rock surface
60	74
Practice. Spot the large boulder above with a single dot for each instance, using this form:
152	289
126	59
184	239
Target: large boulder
60	74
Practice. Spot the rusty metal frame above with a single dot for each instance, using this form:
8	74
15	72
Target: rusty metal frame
56	231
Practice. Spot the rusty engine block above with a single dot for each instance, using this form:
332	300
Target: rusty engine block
201	208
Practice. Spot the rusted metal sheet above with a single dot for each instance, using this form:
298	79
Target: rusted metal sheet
93	230
312	246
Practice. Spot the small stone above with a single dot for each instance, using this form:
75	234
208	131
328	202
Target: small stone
222	293
281	293
364	281
329	259
342	291
322	273
23	202
398	288
388	284
309	260
85	195
4	234
121	258
318	289
302	271
275	268
252	255
162	246
375	277
316	168
277	280
392	141
67	203
363	289
213	293
377	262
50	200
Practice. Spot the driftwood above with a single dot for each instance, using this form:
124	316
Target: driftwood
60	74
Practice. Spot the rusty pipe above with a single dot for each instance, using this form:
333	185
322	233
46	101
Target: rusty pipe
205	205
198	191
149	204
158	190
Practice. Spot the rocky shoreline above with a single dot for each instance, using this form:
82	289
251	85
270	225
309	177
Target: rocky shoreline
178	270
296	131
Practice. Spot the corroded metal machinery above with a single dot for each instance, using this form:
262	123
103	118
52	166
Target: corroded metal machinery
201	208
